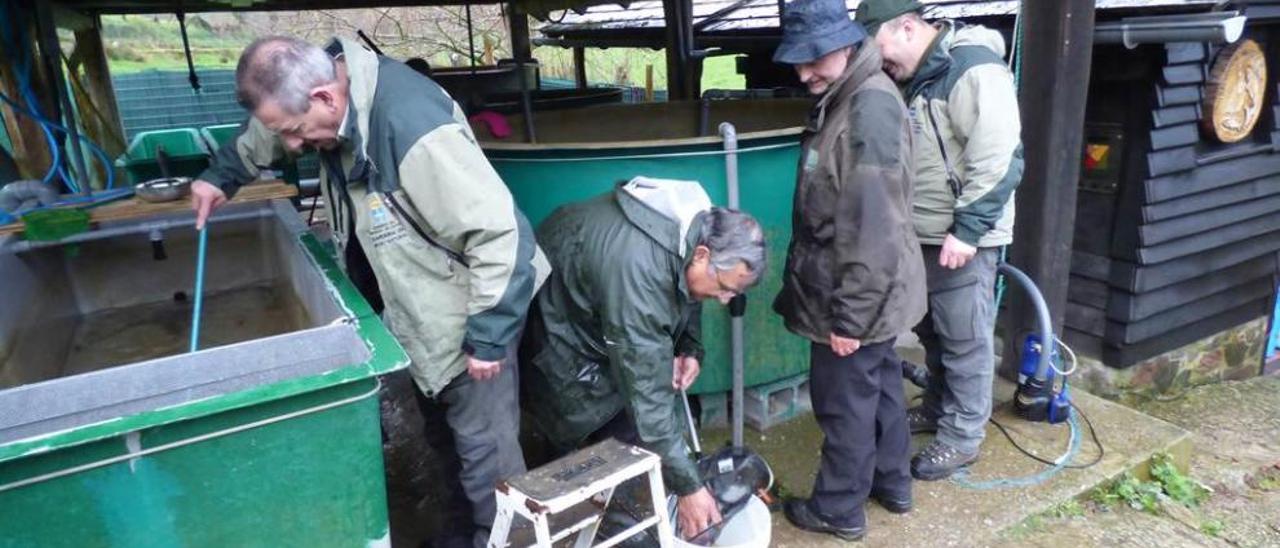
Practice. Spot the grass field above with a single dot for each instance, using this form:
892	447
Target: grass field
137	43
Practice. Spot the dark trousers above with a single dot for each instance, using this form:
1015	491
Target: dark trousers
860	406
474	429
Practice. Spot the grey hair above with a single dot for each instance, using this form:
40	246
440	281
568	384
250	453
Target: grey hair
283	70
734	238
913	16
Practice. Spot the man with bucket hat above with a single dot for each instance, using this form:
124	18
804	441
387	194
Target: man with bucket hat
968	159
854	277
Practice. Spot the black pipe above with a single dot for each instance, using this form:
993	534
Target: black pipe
186	49
526	103
471	40
368	41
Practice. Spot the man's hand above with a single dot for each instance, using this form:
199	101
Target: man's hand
955	253
844	346
684	371
205	198
696	512
482	370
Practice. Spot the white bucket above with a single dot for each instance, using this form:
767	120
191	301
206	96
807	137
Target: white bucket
750	528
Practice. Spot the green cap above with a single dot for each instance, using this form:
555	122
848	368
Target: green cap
873	13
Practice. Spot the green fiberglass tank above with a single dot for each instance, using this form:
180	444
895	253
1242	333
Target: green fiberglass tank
113	435
584	152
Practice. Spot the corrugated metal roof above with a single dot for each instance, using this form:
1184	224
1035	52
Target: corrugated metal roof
763	14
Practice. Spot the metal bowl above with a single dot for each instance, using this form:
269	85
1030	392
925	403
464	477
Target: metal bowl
165	189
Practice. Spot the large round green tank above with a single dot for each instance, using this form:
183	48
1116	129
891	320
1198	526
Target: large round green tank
583	152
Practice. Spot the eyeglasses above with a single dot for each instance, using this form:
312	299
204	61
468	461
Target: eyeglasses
725	288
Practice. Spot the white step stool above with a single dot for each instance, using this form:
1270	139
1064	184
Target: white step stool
568	482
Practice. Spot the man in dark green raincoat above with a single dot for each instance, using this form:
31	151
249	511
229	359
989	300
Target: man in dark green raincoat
613	335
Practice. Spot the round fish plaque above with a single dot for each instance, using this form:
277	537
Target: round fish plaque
1235	91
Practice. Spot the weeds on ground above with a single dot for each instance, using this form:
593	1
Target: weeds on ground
1212	527
1135	493
1027	527
1267	479
1167	481
1167	485
1036	523
1178	486
1067	509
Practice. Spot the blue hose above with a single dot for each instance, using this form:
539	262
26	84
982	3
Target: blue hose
199	296
23	70
961	477
46	124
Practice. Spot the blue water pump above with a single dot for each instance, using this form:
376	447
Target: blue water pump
1037	398
1042	394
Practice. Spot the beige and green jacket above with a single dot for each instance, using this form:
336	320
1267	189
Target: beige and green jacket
455	260
968	145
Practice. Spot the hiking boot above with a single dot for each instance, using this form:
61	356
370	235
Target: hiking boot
801	514
920	422
939	460
895	504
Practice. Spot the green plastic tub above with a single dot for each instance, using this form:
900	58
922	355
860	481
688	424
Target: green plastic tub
187	153
578	156
221	134
218	135
113	435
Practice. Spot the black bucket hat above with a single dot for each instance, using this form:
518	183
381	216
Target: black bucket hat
813	28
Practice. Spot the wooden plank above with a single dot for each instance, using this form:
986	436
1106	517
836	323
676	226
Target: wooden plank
1212	239
1251	190
1158	324
1084	344
1208	177
1086	319
1165	117
1175	136
97	104
1117	355
1206	220
1088	292
1184	52
1169	161
1094	220
30	149
1127	307
1137	278
1088	265
133	208
1183	74
1129	197
1169	96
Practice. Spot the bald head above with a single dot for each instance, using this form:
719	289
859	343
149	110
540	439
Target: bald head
282	70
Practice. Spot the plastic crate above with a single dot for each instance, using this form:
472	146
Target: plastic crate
217	135
187	154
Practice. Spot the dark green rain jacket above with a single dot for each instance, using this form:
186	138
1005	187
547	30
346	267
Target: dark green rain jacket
604	329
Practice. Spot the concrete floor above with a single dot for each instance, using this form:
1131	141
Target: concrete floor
948	514
1235	432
